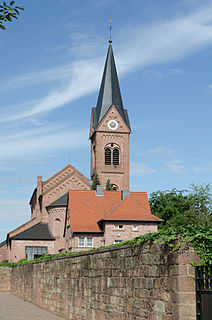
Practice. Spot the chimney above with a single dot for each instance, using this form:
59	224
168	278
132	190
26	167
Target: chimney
125	193
39	186
39	195
99	191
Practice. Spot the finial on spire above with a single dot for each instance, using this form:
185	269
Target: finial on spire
110	22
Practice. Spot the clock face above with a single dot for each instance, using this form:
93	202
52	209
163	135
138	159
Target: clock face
112	124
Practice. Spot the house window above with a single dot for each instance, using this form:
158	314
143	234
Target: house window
118	226
35	252
89	242
115	157
135	227
81	241
107	156
117	241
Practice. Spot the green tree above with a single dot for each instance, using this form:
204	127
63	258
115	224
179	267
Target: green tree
8	12
180	208
95	182
109	186
200	199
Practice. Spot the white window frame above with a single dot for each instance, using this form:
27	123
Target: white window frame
81	246
91	241
135	227
117	241
117	226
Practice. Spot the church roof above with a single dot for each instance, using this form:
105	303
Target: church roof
40	231
88	209
109	93
62	201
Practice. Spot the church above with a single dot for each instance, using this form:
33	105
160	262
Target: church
66	215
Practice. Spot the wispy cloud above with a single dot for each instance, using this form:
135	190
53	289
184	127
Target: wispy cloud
175	166
206	167
57	48
17	210
147	45
82	82
161	151
141	168
176	71
37	141
61	73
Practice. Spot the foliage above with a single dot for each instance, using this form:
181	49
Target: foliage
95	182
199	236
8	12
108	186
180	207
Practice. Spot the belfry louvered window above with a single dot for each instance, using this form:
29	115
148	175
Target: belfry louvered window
115	157
107	156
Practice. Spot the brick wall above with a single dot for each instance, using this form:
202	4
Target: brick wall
111	234
142	282
3	252
17	248
5	277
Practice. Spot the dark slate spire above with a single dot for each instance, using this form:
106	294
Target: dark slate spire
109	93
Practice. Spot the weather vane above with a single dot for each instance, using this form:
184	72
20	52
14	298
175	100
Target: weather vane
110	22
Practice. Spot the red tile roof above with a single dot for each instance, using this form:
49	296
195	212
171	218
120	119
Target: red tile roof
129	209
86	209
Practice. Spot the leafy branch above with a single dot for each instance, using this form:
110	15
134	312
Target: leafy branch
8	12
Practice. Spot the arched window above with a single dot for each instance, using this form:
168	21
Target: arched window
115	187
115	157
107	156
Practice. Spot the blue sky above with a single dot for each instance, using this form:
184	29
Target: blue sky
52	61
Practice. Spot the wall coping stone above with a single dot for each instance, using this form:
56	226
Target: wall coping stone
115	248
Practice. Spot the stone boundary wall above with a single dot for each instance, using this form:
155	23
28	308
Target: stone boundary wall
121	283
5	279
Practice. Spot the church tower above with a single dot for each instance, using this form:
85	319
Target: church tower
110	131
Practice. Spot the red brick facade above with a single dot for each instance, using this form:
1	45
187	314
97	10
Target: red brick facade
104	138
3	252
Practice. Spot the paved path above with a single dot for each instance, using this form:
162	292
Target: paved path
14	308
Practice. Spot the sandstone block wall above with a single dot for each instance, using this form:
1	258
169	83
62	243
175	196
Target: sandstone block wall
142	282
5	279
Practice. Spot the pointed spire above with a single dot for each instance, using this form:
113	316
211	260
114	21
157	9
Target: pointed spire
109	93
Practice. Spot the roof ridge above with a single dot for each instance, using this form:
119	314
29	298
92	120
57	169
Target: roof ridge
138	205
66	167
114	207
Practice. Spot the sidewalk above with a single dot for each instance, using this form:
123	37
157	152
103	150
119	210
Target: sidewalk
14	308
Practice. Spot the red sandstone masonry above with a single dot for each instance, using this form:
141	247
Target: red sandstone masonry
5	279
142	282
